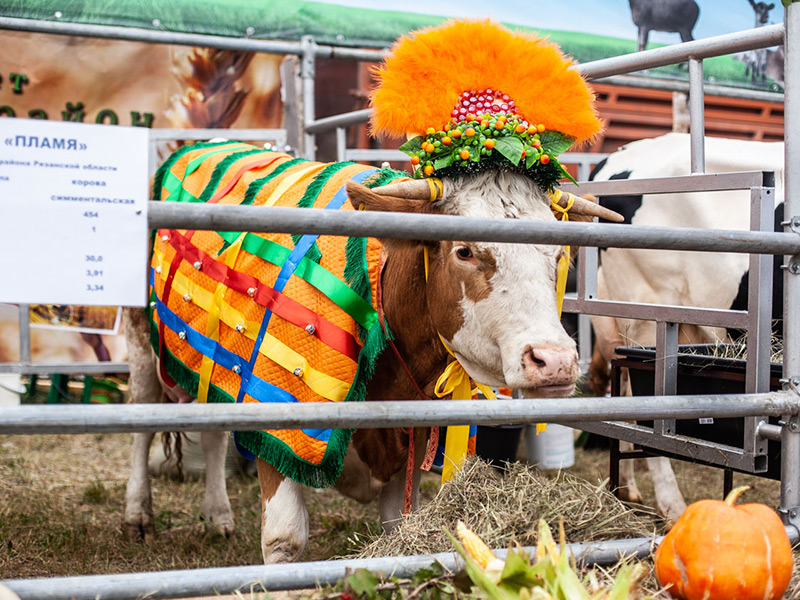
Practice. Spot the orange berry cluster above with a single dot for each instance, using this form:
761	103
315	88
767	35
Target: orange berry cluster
475	137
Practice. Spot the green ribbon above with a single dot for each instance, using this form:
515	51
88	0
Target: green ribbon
319	277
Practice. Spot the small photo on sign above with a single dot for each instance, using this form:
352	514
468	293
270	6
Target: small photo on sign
83	319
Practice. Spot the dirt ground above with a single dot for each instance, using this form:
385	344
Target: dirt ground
61	503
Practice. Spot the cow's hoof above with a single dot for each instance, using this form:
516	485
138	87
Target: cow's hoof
222	526
139	531
628	495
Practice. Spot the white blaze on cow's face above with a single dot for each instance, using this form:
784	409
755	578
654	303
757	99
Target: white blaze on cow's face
494	303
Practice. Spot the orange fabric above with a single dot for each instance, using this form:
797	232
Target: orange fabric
318	355
420	82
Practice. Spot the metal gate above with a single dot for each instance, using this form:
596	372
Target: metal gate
758	242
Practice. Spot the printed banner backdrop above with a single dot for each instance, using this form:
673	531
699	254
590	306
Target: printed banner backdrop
586	29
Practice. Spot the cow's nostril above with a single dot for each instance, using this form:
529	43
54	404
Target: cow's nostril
537	362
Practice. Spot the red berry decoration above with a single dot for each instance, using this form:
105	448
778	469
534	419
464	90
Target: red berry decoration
415	160
544	159
428	170
464	154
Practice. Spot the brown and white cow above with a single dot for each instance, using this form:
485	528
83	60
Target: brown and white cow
701	279
494	304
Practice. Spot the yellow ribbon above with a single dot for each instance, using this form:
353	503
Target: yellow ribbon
212	323
455	381
563	262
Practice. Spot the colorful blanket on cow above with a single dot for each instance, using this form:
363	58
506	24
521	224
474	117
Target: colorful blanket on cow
247	317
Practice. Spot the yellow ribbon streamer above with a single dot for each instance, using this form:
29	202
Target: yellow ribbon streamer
455	381
563	262
212	323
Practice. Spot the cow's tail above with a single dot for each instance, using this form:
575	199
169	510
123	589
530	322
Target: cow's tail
172	443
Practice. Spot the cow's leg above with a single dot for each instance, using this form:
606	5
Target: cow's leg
138	522
628	490
669	499
644	33
216	506
392	496
284	516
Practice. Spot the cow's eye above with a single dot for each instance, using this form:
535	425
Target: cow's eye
464	253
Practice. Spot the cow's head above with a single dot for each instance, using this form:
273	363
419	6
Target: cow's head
493	303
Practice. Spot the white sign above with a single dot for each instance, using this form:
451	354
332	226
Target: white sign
73	213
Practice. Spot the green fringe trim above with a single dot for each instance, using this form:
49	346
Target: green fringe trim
356	270
255	186
383	177
220	170
310	196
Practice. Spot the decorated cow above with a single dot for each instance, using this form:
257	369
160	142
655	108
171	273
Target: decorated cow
246	317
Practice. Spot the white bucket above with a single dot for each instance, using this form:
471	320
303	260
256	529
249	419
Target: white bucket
11	389
553	448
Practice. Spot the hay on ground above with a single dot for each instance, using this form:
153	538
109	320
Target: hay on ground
506	508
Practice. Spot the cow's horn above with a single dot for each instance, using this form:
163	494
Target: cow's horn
417	189
582	206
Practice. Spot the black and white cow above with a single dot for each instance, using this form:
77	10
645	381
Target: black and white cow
678	16
671	277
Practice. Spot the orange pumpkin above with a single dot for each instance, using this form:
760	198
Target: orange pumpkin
720	551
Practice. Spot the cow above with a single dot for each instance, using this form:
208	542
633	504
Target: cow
671	277
678	16
480	297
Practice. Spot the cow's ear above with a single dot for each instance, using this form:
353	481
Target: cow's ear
364	198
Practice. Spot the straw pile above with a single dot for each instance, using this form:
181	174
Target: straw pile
505	508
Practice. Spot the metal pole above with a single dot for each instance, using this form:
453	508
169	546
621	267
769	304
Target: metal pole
666	376
697	117
341	144
174	215
730	43
307	75
297	576
159	36
24	335
790	436
28	419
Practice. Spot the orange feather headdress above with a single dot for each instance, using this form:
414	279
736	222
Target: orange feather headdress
481	96
424	77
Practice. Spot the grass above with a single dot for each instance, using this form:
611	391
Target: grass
61	500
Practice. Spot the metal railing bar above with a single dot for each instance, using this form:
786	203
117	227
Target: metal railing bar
729	43
291	576
28	419
710	317
65	368
161	135
135	34
173	215
690	448
374	155
707	182
677	85
356	117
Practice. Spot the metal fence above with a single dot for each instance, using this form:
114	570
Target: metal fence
783	404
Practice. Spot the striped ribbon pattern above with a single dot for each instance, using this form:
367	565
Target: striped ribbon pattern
245	317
